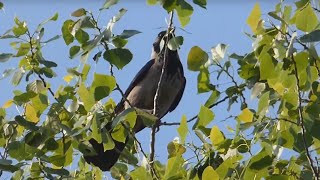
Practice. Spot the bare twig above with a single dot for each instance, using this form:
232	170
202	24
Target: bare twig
235	83
194	117
157	95
301	122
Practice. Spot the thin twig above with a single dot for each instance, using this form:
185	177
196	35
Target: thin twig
301	121
235	83
194	117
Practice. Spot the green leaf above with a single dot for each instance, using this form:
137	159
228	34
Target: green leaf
175	42
96	128
313	36
109	3
128	33
209	173
119	42
102	86
24	97
263	105
152	2
17	76
53	18
213	98
85	71
306	19
205	116
204	81
260	161
86	97
216	136
73	51
266	66
5	57
254	18
82	36
52	39
1	5
183	129
79	12
119	57
184	11
61	172
5	165
175	149
20	28
246	116
196	58
174	167
36	86
27	124
201	3
66	31
23	49
140	173
147	118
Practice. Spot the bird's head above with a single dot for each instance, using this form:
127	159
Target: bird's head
160	40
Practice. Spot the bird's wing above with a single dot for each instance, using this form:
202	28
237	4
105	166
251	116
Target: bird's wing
179	96
140	75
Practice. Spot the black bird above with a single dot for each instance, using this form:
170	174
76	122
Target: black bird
141	92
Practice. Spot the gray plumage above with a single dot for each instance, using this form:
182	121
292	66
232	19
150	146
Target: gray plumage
141	92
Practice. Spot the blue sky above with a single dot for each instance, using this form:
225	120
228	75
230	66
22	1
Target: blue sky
221	22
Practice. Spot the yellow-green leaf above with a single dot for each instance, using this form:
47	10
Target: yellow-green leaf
31	114
205	116
86	97
7	104
254	18
216	135
209	173
306	19
196	58
183	129
246	115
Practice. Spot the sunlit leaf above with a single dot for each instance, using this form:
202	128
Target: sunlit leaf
140	173
183	129
216	136
254	18
246	115
196	58
86	97
209	173
306	19
205	116
102	86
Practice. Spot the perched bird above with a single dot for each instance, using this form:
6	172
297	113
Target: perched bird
141	92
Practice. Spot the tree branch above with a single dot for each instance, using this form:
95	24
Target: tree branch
301	122
157	95
194	117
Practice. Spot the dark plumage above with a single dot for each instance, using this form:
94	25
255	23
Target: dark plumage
140	94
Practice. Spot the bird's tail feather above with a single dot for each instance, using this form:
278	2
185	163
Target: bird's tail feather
104	159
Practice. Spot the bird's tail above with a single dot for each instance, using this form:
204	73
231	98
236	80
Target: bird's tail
104	159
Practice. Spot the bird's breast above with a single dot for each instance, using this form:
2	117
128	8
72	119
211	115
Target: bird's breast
142	95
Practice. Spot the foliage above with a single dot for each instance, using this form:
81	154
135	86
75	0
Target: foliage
281	72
